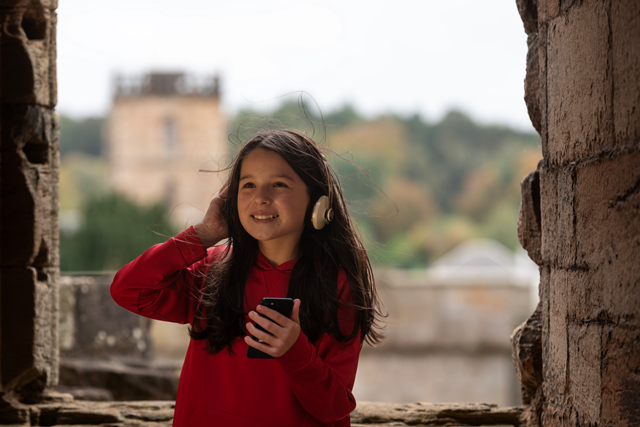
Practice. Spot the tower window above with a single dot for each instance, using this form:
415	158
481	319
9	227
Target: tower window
170	135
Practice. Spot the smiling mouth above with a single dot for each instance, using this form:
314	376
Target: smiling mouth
264	216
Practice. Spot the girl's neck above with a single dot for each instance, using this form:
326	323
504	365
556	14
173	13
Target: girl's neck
277	253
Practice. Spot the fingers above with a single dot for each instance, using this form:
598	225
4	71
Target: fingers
266	324
276	316
295	314
261	335
281	334
261	346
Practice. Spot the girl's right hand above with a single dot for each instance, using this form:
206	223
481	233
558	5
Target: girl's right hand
213	228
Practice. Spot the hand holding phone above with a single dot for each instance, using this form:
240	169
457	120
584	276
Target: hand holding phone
275	329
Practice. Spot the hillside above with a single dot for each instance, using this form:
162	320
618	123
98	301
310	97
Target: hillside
416	188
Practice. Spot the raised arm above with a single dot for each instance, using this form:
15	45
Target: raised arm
162	283
159	284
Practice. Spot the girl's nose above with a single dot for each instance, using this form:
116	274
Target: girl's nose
262	196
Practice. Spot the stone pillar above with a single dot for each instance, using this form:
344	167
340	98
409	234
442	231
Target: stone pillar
29	159
578	357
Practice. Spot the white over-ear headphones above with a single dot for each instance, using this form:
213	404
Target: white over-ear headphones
321	213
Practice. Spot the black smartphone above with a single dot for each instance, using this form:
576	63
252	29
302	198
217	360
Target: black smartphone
283	306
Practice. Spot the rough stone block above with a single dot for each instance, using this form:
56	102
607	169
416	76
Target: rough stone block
585	349
526	343
529	14
89	417
586	291
625	51
532	82
529	219
548	215
29	71
29	349
579	84
557	217
555	361
29	186
608	228
620	380
547	9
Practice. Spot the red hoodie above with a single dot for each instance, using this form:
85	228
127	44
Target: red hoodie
310	385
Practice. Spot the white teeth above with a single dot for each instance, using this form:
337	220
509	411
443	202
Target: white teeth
265	216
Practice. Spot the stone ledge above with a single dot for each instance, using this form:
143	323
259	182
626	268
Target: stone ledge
60	409
434	414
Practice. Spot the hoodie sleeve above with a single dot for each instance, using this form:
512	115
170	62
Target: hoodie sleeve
162	283
322	374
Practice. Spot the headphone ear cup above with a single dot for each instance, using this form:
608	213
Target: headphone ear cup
321	214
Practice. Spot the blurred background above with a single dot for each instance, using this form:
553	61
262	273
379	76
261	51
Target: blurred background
419	106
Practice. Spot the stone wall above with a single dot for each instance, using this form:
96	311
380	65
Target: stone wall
447	340
579	355
28	196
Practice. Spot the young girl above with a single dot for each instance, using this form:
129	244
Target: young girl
266	211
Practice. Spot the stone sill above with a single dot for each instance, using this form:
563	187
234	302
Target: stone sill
59	409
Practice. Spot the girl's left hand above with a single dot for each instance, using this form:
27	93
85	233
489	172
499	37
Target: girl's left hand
282	337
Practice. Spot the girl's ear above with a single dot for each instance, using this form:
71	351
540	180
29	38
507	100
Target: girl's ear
319	212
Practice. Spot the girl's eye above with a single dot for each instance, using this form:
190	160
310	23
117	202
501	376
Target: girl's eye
279	184
248	185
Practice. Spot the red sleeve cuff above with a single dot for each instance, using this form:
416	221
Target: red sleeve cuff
190	246
298	356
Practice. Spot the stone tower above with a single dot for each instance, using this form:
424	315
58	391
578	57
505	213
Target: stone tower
161	130
578	356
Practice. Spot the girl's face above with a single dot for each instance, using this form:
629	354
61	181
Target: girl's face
272	199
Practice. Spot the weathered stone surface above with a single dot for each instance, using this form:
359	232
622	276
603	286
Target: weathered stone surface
65	411
579	84
620	380
529	219
429	414
532	93
123	381
555	362
94	394
584	367
607	219
527	354
29	185
29	343
29	194
95	326
625	64
28	39
557	217
529	13
89	416
589	98
528	10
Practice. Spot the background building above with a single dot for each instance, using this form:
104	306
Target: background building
162	129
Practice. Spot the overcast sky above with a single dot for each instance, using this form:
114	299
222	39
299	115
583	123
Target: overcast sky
420	56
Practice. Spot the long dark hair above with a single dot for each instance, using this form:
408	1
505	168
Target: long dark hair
314	277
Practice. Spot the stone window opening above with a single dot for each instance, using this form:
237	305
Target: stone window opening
577	356
170	135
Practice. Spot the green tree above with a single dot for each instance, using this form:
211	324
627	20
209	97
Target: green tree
113	232
83	135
